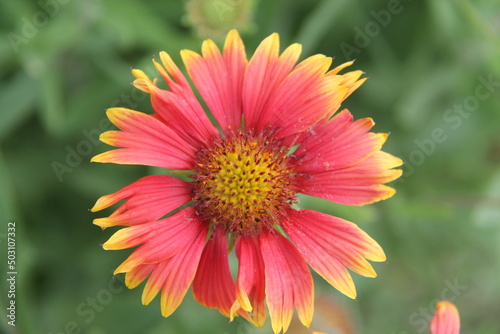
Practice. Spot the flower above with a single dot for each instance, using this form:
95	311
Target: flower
446	319
275	136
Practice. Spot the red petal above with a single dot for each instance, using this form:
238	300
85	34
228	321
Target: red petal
351	80
303	98
329	244
358	184
338	143
137	275
179	108
160	240
213	285
175	275
446	320
219	78
147	199
250	284
306	95
288	282
147	141
265	72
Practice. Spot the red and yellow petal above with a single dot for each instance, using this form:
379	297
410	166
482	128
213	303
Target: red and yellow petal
173	76
250	284
147	200
307	95
174	275
178	107
340	67
146	141
137	275
338	143
181	272
446	320
129	237
303	98
351	80
213	285
235	58
219	78
330	244
288	282
183	113
265	72
143	82
160	240
358	184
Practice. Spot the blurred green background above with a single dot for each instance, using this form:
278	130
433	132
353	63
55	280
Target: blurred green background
434	69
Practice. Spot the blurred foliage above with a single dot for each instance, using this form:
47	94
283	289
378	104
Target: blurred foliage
62	63
213	18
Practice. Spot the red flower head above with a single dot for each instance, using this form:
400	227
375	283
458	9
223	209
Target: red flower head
275	135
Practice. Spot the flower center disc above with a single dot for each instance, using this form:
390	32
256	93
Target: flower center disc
243	183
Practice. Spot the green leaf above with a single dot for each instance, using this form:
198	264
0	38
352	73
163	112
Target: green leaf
487	212
319	22
17	99
52	105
